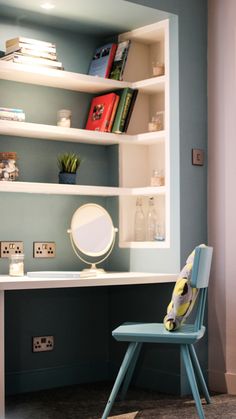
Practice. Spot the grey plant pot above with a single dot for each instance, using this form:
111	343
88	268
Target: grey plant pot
69	178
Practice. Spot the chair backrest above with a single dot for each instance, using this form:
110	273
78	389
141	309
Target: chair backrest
200	279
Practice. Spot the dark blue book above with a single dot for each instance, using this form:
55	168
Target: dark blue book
102	60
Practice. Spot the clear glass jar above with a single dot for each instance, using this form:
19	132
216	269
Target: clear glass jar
158	69
157	122
64	118
16	265
157	178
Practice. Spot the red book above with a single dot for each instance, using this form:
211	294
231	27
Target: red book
113	113
100	112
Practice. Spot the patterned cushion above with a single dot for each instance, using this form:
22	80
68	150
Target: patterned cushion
183	297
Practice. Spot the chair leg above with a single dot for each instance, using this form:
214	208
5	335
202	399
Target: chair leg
192	380
121	374
129	374
199	373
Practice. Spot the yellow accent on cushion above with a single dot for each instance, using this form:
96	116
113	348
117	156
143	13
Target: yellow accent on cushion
183	297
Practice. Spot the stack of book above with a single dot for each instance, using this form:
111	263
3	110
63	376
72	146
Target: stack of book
109	60
12	114
112	112
33	52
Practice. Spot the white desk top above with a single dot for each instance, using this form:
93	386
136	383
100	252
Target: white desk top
107	279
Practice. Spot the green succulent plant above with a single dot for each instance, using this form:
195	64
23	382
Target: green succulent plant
68	162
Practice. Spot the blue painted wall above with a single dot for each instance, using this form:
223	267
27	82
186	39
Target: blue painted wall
40	312
161	368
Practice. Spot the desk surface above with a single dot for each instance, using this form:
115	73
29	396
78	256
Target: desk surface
107	279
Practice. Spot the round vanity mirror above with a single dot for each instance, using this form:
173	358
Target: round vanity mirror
92	233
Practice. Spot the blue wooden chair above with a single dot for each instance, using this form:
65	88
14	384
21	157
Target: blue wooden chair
138	333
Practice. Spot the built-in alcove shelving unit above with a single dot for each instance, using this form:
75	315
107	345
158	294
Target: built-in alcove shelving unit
140	151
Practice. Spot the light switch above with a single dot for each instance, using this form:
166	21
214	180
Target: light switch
197	157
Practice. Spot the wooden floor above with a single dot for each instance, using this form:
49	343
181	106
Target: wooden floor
88	401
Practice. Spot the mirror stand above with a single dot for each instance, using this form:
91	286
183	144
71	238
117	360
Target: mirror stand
93	270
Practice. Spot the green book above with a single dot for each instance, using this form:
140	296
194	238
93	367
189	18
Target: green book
122	110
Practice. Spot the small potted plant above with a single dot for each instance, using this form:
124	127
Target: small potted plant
68	164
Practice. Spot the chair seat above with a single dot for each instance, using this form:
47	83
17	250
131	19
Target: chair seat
156	332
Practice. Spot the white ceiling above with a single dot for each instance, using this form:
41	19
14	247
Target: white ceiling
94	16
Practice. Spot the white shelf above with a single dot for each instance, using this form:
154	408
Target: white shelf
60	189
58	78
73	81
52	132
144	245
107	279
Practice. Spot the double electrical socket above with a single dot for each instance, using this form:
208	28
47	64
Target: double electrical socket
42	343
11	248
44	249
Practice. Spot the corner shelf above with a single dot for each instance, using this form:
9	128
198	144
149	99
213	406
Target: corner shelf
73	81
52	132
58	78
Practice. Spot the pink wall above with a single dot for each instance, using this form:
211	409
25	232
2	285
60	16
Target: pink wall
222	193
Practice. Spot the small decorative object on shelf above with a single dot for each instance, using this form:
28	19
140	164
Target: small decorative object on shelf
68	164
16	265
157	178
158	69
139	221
151	220
157	122
64	118
159	236
8	169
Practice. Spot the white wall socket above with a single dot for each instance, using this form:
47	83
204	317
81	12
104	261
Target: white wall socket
11	248
44	249
43	343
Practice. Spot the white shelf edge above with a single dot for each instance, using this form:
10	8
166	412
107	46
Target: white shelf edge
58	78
148	190
151	85
107	279
60	189
52	132
144	245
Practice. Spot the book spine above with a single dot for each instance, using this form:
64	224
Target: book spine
11	110
111	59
34	48
120	114
33	53
130	111
119	62
11	116
35	60
31	41
113	113
109	113
125	110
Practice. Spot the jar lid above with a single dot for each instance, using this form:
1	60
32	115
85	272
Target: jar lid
17	256
64	112
11	155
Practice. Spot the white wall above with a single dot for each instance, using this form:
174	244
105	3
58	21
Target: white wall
222	193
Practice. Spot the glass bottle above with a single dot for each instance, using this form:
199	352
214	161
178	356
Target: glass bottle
151	220
139	221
